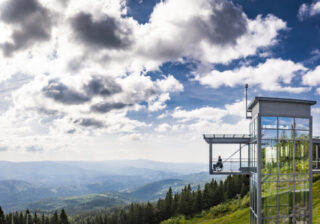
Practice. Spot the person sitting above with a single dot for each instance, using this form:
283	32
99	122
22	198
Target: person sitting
218	165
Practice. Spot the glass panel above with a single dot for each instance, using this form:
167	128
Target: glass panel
286	157
302	156
285	134
268	122
269	156
285	198
268	134
255	127
285	123
302	123
301	197
269	199
302	135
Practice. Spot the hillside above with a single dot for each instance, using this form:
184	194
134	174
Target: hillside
229	212
78	204
158	189
88	202
22	183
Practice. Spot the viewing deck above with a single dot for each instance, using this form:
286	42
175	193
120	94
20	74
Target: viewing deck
231	167
227	138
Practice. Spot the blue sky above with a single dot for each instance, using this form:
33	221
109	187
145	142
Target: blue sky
116	79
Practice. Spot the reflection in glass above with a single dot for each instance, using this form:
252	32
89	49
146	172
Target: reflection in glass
268	134
269	156
302	123
285	134
302	156
269	199
302	135
285	156
285	192
269	122
285	123
285	169
301	197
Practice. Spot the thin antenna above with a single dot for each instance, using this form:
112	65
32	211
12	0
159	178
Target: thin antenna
246	87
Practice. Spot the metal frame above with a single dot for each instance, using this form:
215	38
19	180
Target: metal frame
256	139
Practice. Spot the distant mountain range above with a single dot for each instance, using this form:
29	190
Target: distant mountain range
83	186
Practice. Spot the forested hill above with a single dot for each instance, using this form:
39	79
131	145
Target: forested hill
217	203
188	202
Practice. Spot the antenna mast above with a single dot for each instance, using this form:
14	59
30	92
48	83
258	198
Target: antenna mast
246	87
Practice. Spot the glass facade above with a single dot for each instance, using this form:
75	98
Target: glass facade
285	169
253	162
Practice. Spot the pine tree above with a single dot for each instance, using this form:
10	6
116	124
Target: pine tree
1	215
63	217
168	204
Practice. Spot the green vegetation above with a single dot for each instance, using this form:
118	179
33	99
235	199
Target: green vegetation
80	204
188	203
215	204
230	213
27	217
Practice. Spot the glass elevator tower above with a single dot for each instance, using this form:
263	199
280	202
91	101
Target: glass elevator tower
280	159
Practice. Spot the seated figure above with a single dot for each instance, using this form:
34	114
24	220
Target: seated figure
219	165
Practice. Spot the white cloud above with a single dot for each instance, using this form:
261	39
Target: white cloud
177	29
170	84
308	10
312	77
165	127
268	76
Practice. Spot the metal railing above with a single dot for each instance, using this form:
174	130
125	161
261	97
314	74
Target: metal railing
231	165
226	136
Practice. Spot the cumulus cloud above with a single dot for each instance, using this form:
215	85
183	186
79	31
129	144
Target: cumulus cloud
34	148
63	94
31	21
225	24
165	127
106	107
309	10
208	28
89	122
312	77
90	69
212	119
107	33
103	86
268	76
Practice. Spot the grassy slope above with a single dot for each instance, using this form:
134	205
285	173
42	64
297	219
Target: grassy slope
228	212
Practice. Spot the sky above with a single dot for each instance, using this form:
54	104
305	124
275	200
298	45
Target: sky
144	79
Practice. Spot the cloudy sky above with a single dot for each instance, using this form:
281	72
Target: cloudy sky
129	79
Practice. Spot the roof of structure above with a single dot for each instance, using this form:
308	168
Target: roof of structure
281	100
227	138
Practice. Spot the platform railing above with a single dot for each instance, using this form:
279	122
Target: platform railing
231	165
226	136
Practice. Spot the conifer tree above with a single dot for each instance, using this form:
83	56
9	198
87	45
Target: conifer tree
63	217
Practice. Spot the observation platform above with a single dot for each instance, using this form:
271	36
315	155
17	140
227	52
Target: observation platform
227	138
231	166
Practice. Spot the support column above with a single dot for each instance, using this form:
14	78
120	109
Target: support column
210	158
258	164
317	156
240	156
310	170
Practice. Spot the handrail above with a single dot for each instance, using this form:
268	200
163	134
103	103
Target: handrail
226	136
234	153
